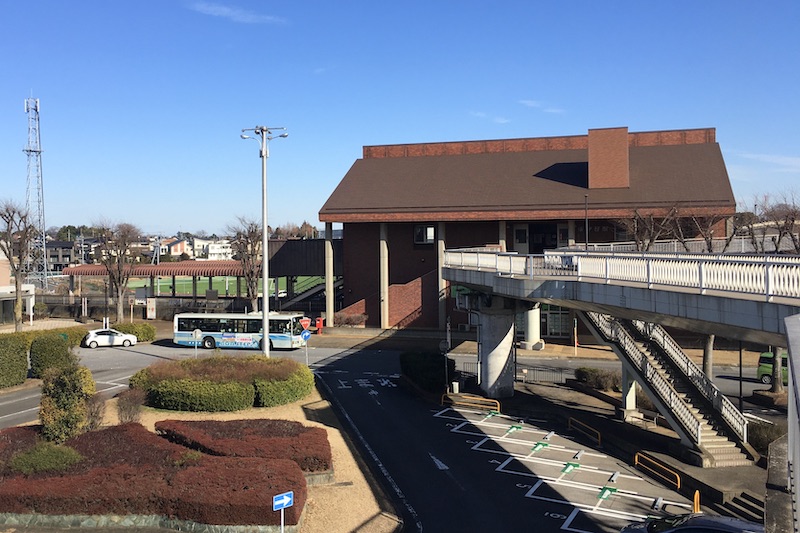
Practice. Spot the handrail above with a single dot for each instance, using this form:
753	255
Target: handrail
703	384
766	276
612	331
471	400
637	462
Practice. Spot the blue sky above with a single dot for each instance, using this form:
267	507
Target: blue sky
142	102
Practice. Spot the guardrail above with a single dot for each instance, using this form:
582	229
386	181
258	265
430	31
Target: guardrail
711	392
762	275
587	430
664	472
471	400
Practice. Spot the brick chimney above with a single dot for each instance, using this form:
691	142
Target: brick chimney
609	167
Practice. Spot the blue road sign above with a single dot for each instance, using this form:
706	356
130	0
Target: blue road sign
282	501
305	335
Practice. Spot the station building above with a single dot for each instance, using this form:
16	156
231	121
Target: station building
402	205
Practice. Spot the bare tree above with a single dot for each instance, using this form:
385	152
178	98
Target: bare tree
246	242
647	228
17	236
116	254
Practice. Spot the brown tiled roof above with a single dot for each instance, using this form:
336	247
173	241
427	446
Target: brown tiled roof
529	185
180	268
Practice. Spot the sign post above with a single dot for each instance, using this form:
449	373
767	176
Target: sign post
196	335
305	335
281	502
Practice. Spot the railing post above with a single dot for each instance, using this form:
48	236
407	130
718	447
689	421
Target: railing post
701	274
768	281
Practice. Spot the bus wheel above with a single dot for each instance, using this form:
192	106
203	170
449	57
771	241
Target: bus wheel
208	343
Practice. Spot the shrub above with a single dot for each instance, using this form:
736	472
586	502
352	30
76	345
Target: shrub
349	319
297	386
40	310
144	332
44	457
129	405
63	411
95	412
13	360
427	370
599	379
50	350
761	434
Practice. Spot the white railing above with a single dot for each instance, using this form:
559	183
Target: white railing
688	368
613	331
765	276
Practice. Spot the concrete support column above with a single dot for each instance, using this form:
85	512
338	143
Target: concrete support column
384	274
440	247
497	344
329	294
501	235
533	330
151	289
628	396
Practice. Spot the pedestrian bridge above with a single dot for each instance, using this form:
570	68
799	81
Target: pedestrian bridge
742	297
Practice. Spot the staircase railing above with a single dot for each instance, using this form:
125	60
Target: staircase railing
732	416
613	331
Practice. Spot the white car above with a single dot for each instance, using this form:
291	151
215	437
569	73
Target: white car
108	337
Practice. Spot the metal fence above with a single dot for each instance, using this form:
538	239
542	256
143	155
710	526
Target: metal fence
524	373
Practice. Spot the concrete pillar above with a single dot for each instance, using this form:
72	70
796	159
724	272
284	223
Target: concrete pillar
501	236
384	274
497	346
533	330
628	396
329	294
440	247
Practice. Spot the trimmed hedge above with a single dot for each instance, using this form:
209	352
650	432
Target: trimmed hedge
13	360
144	332
223	383
298	385
50	350
201	395
74	335
426	370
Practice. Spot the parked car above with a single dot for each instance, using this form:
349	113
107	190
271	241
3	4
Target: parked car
694	523
765	368
108	337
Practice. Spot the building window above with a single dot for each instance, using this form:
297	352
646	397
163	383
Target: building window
423	234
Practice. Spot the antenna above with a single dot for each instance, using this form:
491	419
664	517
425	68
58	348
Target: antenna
36	267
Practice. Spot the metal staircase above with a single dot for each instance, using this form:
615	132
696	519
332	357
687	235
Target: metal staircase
700	414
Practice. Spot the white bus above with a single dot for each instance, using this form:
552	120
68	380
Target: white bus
236	330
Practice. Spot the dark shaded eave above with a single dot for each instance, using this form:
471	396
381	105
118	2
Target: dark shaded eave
510	186
180	268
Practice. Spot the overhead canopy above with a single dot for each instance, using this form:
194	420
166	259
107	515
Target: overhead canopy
180	268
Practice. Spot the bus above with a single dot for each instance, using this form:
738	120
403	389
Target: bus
236	330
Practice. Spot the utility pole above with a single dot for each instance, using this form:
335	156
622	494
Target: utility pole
36	266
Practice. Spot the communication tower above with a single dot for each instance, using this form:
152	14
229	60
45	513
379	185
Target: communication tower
36	264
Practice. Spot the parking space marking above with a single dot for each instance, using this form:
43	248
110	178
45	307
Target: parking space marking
558	469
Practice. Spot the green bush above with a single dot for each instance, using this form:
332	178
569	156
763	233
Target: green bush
144	332
65	394
427	370
40	310
50	350
95	412
761	434
297	386
201	395
44	457
13	360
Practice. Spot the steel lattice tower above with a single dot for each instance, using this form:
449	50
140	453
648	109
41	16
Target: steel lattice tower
36	264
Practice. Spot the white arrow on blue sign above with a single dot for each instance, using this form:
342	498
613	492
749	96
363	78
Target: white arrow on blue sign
305	335
282	501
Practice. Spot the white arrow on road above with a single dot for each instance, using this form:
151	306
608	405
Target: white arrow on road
440	465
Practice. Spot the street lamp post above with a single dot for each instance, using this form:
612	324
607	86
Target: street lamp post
264	137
